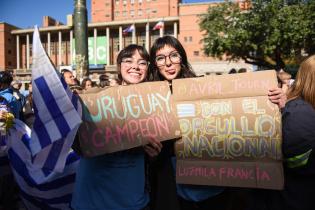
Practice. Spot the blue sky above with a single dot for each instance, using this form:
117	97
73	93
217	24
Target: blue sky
27	13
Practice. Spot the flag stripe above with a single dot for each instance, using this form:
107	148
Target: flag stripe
41	131
21	169
36	202
52	157
53	107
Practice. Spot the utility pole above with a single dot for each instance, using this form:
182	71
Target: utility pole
81	39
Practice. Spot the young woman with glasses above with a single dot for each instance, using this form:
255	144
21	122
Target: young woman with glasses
168	61
117	181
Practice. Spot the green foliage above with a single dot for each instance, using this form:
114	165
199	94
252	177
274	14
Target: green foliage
272	34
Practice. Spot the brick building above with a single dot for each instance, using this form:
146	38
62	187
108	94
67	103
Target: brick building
109	19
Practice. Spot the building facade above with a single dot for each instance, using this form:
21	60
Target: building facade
108	34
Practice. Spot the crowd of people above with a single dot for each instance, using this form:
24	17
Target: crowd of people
87	83
143	178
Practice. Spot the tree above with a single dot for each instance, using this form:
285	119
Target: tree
271	34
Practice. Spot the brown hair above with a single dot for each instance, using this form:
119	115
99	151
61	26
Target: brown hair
186	70
127	52
304	84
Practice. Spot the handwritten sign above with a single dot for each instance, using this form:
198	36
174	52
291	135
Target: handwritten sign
231	132
123	117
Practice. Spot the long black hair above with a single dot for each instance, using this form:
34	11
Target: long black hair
127	52
186	69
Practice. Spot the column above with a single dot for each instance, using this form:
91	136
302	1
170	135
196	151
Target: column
71	47
27	51
175	30
59	47
95	39
134	41
107	47
120	38
147	37
48	44
17	52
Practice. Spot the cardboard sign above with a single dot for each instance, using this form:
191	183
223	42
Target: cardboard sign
231	131
123	117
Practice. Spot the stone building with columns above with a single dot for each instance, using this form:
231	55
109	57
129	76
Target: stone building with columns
109	18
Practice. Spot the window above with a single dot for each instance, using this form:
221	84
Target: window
124	13
140	1
107	15
116	13
132	13
185	39
196	53
117	1
154	11
9	63
132	1
190	39
148	11
140	12
124	2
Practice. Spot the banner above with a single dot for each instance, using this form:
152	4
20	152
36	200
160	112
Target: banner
101	53
231	132
123	117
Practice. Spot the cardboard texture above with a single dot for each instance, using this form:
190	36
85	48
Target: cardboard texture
124	117
231	132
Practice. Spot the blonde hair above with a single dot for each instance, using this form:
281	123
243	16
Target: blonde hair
304	85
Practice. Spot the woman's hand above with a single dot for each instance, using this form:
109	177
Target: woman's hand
277	96
153	148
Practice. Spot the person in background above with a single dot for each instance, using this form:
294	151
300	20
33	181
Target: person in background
16	87
242	70
298	147
7	92
103	81
284	80
71	81
232	71
117	181
86	84
113	82
68	77
28	109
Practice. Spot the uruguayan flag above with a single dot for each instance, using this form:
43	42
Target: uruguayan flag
186	110
40	188
42	160
56	116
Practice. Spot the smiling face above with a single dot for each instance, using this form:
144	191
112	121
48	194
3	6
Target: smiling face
172	67
88	85
133	69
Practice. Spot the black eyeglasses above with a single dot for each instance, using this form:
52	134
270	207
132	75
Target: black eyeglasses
174	57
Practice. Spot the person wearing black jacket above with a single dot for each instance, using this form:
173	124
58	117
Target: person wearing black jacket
299	140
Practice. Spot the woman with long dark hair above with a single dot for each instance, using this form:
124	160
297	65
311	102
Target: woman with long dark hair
168	61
